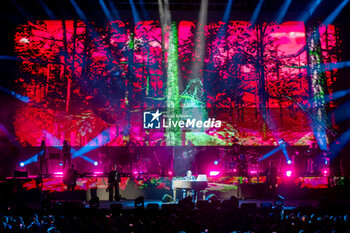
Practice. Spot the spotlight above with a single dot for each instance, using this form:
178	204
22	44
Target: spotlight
95	163
253	172
325	172
58	174
21	164
170	173
281	142
216	162
288	173
289	162
214	173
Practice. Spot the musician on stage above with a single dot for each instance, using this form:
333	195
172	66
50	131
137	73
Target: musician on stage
70	178
113	183
189	175
187	193
67	156
42	157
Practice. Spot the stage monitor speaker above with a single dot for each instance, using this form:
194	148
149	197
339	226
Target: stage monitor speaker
20	174
211	197
167	198
140	202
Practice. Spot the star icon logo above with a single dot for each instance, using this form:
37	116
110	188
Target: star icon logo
151	120
156	115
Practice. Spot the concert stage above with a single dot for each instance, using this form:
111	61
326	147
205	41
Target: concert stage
160	187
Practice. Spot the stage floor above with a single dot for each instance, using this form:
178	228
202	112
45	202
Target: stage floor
290	204
156	187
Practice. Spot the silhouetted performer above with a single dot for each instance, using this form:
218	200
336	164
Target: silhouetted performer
67	156
70	178
271	180
113	183
43	157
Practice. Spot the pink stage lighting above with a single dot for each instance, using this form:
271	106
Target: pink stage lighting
170	173
288	173
58	174
325	172
97	173
135	172
214	173
234	170
253	172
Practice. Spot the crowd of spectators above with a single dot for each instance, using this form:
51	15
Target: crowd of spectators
183	217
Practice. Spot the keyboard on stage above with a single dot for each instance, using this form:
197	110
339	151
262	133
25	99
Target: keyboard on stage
196	185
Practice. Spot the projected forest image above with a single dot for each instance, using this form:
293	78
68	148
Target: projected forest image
89	84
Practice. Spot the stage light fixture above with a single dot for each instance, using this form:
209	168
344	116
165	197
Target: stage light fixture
58	174
24	99
21	164
95	163
214	173
216	162
253	172
288	173
289	162
325	172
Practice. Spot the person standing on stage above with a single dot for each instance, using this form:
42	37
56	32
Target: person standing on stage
43	157
70	178
67	156
113	183
271	180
